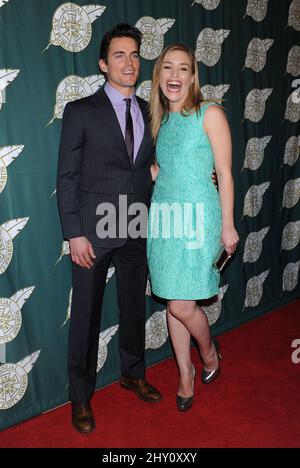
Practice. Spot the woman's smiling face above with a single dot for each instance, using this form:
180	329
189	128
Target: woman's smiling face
175	78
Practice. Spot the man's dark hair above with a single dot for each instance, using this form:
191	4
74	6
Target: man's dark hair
120	30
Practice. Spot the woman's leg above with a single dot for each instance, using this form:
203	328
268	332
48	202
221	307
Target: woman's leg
181	341
196	324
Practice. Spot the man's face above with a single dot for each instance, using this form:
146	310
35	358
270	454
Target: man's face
123	64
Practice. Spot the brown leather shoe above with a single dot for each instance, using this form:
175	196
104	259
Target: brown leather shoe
82	417
141	388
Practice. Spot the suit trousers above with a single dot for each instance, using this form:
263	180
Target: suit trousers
88	291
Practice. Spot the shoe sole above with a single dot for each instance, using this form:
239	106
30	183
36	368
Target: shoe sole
127	387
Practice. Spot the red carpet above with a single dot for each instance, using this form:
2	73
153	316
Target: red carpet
254	403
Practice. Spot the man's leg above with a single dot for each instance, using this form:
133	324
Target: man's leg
131	272
88	291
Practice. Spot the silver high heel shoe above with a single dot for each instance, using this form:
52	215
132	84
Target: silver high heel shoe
183	404
210	375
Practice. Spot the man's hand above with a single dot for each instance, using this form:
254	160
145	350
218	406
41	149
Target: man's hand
214	178
82	252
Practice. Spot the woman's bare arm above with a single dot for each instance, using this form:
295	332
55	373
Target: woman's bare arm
216	126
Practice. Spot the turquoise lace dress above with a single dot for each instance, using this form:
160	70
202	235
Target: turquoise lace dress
184	228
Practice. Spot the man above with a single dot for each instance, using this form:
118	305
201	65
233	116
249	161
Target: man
106	150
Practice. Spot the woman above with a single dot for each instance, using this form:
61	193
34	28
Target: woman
188	219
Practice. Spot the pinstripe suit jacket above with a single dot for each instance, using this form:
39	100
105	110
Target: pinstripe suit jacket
94	167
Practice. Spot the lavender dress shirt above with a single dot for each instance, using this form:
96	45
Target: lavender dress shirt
119	105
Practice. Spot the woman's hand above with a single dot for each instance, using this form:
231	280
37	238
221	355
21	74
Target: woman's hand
230	239
154	171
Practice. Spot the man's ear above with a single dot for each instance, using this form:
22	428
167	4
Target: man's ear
102	65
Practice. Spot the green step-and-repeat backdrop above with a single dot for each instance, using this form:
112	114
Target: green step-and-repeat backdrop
248	54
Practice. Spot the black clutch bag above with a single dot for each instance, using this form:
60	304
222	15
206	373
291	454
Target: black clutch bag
221	260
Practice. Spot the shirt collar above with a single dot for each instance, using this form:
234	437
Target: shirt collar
116	98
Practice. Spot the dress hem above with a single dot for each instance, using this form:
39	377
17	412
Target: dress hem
183	298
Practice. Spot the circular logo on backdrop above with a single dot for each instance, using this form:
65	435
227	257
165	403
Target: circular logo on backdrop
10	314
6	249
254	289
293	62
292	111
153	35
208	48
213	311
8	154
153	38
294	15
257	53
70	89
290	235
291	193
104	339
14	380
214	92
102	352
156	330
13	384
8	231
254	199
254	244
257	9
255	152
144	90
292	151
208	92
290	276
74	87
10	320
71	27
255	104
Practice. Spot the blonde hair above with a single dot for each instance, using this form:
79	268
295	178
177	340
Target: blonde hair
159	104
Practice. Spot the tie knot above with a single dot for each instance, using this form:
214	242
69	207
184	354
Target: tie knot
128	102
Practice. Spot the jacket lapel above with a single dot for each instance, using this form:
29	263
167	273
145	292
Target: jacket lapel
110	119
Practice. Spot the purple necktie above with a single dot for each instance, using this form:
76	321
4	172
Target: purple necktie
129	141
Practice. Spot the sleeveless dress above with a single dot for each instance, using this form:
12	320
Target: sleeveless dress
184	226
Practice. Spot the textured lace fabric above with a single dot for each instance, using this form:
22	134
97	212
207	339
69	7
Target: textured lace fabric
181	252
